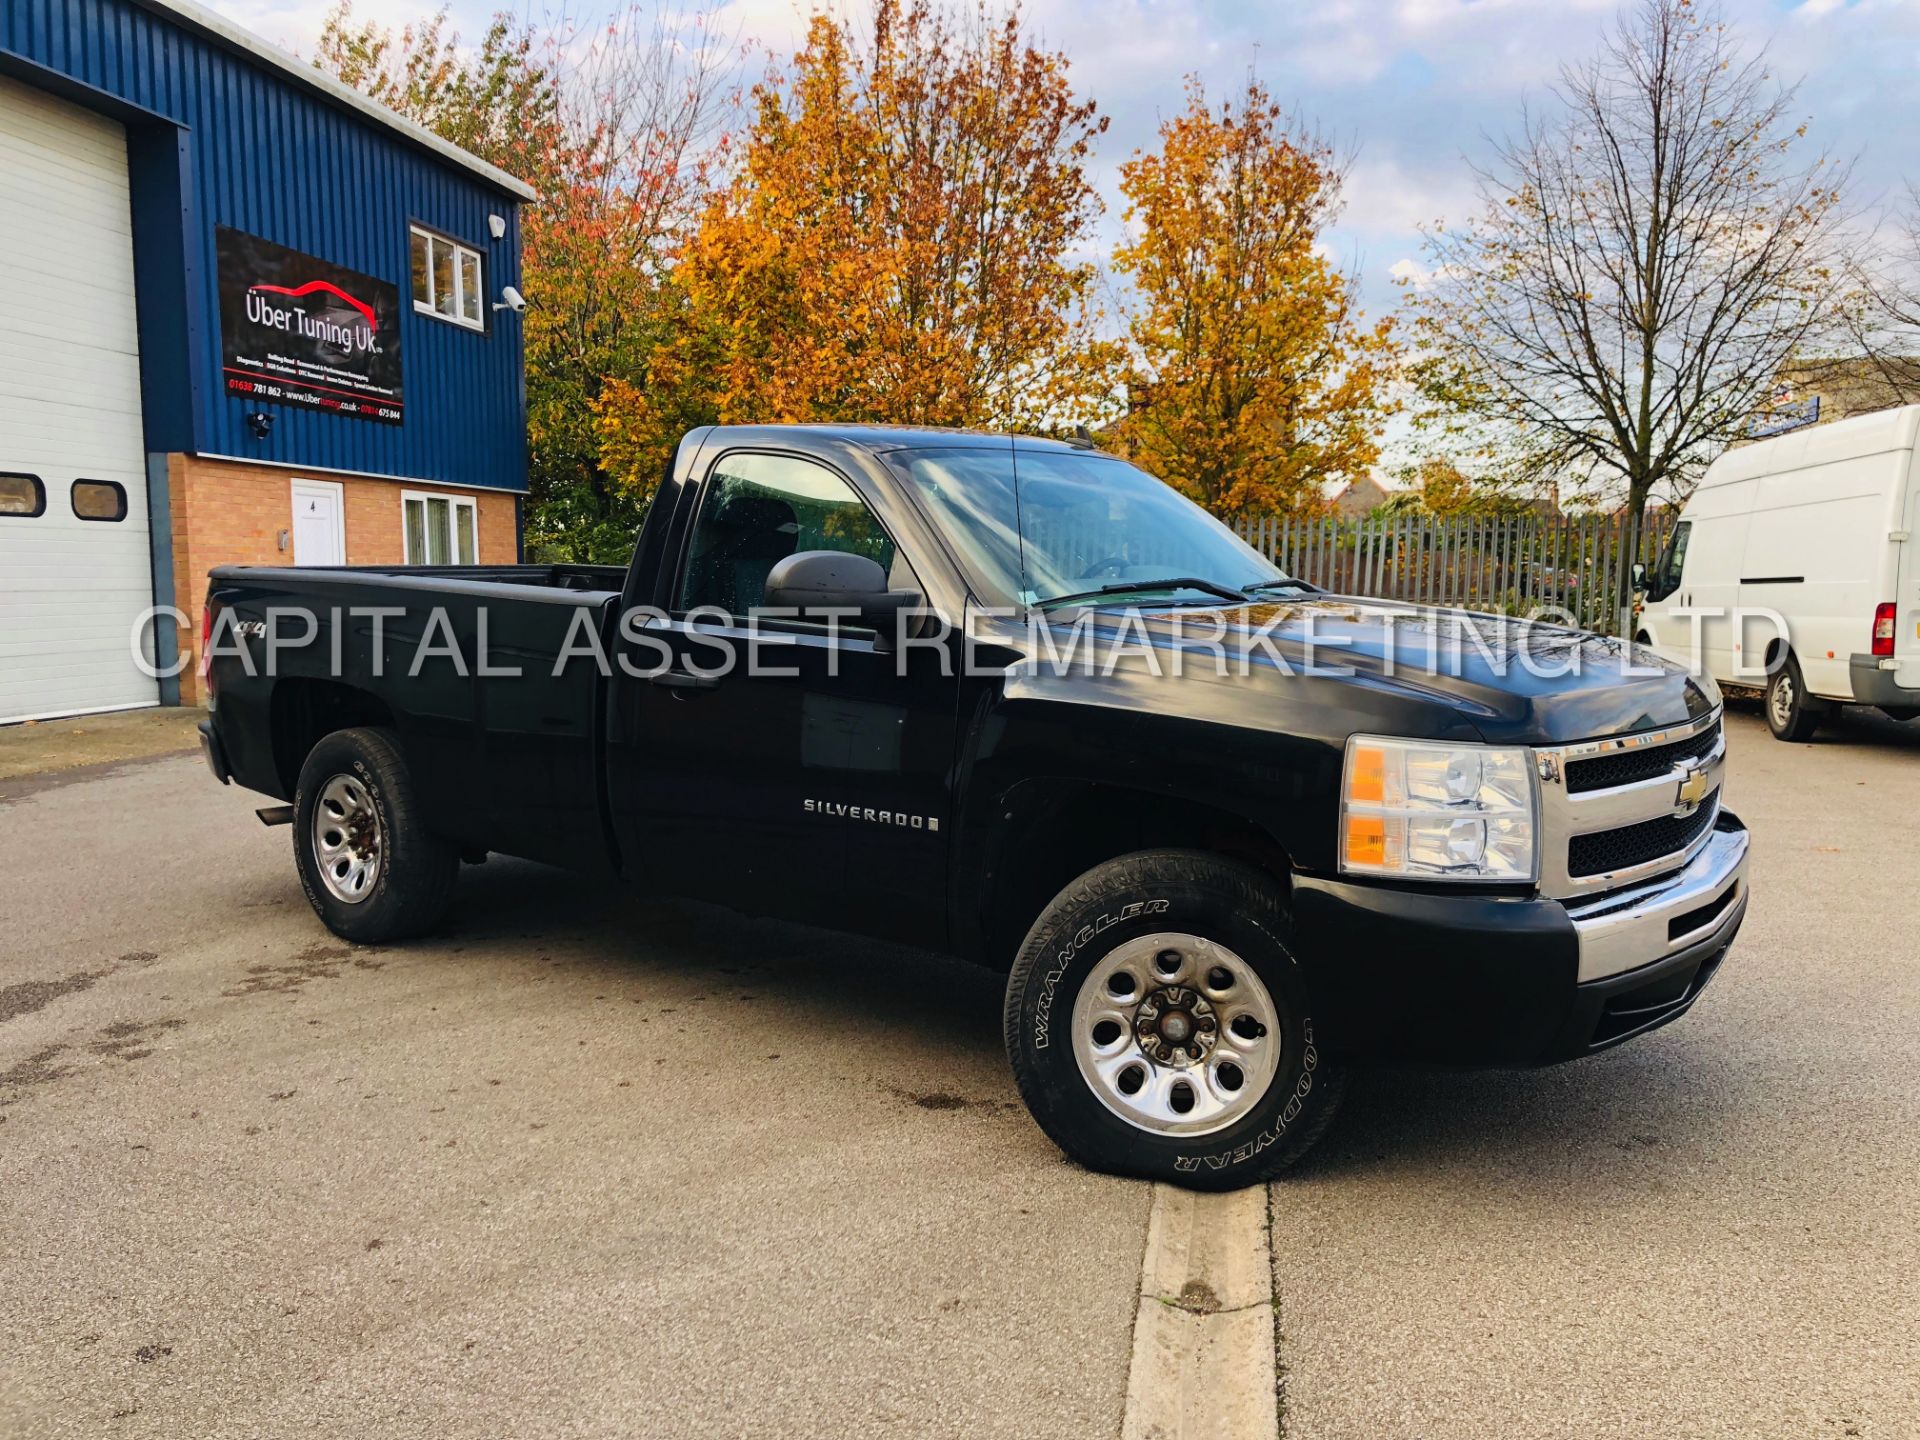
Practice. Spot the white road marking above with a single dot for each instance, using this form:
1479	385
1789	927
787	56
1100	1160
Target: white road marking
1203	1341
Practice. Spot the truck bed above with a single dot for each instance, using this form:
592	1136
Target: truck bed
503	738
604	578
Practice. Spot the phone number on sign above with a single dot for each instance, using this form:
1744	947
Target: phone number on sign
293	395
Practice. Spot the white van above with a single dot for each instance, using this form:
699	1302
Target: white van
1793	561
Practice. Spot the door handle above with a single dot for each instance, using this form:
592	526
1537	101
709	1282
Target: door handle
685	680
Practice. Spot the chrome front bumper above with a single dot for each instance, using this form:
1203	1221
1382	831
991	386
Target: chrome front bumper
1643	924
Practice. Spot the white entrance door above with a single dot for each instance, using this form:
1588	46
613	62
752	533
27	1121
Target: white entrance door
319	523
76	563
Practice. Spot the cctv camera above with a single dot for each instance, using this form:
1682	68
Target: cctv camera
510	299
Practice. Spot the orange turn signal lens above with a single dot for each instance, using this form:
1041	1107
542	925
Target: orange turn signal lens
1366	841
1367	774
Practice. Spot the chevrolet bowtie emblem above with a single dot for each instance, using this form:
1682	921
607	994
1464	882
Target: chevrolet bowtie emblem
1692	790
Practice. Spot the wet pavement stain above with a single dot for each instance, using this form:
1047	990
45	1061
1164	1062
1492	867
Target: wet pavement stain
36	1069
316	962
31	995
131	1039
1197	1298
125	1040
937	1099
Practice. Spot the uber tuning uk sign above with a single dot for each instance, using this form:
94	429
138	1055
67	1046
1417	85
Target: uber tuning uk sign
296	330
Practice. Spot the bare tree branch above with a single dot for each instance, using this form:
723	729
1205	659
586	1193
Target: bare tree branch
1653	250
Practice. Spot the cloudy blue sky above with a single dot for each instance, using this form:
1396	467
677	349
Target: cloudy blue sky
1412	87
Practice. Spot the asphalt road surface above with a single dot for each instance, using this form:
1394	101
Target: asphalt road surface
1712	1231
585	1166
588	1166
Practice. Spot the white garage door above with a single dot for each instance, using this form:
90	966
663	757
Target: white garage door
71	586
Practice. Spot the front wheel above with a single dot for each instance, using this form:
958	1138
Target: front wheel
1792	714
371	869
1157	1024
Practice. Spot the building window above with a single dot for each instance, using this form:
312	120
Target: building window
447	282
99	500
22	495
440	529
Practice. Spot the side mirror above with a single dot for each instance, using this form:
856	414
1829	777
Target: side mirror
837	580
1639	576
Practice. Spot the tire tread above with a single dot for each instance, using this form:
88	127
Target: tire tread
422	869
1255	896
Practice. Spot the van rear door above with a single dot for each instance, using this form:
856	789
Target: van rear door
1906	596
1818	557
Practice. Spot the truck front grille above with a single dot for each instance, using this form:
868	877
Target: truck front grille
1624	767
1605	850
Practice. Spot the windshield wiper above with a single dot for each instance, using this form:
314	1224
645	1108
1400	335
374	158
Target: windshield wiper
1131	587
1285	583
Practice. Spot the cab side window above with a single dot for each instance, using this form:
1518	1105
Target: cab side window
757	510
1672	563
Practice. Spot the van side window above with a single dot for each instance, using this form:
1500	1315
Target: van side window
1673	562
760	508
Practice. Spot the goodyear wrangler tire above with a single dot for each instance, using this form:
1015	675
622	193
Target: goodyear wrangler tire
1157	1025
371	869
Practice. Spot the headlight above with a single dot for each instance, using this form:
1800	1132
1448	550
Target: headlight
1436	812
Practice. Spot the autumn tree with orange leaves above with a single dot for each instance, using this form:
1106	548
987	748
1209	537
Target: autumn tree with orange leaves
896	243
1256	379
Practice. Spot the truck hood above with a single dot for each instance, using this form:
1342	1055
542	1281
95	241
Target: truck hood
1429	672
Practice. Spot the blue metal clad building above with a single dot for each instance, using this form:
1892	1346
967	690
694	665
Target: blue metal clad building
319	307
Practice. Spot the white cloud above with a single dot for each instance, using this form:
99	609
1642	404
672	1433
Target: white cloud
1387	195
1409	271
295	24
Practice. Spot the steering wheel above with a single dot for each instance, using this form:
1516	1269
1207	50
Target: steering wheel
1108	568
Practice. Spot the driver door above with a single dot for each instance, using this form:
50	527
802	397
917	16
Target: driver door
810	779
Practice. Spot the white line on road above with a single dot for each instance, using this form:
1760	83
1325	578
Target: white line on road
1203	1358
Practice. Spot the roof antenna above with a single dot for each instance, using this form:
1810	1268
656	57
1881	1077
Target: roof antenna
1082	438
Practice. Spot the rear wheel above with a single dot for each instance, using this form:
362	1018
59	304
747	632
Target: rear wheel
369	866
1157	1024
1792	714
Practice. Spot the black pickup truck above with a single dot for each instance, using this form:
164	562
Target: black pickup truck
1018	701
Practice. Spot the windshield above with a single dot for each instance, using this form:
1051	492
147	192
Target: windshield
1070	523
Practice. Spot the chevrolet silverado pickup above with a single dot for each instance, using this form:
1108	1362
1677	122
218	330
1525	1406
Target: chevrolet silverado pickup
1016	700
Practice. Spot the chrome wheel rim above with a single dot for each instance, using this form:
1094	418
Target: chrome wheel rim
1176	1034
348	846
1781	700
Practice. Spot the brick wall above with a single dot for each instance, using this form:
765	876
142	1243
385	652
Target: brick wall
231	514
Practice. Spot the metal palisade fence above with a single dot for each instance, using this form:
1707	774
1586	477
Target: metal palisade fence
1512	564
